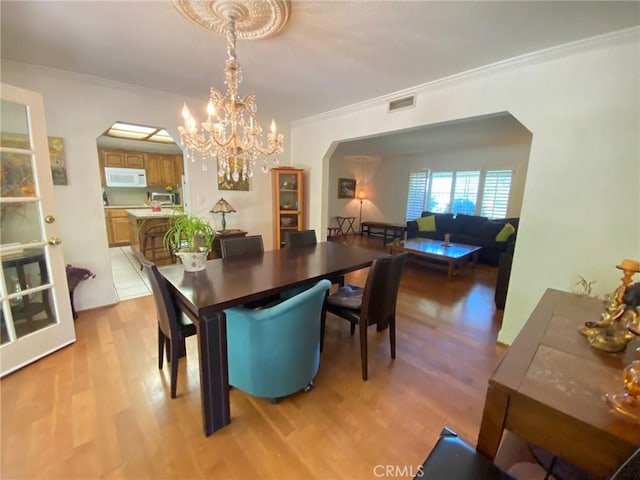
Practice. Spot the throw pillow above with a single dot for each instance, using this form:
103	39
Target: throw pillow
505	233
427	224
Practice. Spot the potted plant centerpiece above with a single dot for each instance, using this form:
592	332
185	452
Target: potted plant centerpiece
191	239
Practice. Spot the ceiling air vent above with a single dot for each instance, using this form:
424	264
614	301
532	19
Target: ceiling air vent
400	103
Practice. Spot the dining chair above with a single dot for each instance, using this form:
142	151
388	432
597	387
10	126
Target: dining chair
373	304
275	351
173	326
239	246
452	457
244	246
301	238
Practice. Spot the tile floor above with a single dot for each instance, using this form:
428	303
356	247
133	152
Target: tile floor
129	280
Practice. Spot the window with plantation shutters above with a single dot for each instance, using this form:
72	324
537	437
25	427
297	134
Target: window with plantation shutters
416	195
479	192
440	192
495	196
465	192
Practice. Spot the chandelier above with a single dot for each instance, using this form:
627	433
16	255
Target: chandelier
231	135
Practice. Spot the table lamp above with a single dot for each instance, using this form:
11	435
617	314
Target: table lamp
223	207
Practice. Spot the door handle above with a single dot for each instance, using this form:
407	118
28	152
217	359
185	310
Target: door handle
54	241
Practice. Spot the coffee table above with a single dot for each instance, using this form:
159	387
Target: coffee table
452	256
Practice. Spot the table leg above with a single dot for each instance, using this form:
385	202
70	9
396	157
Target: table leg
214	373
450	270
350	227
494	415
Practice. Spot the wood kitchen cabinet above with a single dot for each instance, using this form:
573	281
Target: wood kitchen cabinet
161	170
288	205
113	158
120	159
118	230
178	171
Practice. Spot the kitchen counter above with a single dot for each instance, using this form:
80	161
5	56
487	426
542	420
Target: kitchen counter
144	213
142	221
138	206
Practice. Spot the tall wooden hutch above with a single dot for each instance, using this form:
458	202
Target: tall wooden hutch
288	204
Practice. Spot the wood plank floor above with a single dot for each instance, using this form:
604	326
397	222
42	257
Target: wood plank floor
100	408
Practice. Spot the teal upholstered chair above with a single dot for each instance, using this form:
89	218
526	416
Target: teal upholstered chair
274	352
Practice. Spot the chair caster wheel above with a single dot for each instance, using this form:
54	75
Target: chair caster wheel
309	387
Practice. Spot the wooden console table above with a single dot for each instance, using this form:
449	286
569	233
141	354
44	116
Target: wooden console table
390	231
549	389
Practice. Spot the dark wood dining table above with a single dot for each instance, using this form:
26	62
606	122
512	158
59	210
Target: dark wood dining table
230	282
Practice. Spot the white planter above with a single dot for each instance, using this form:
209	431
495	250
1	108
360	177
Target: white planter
193	261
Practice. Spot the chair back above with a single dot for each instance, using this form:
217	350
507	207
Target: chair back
240	246
381	291
275	351
167	310
630	469
302	238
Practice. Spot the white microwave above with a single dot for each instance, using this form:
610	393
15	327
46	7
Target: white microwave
125	177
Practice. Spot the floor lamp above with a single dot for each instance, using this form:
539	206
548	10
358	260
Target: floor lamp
362	198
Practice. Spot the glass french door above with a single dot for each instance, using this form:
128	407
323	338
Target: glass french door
35	313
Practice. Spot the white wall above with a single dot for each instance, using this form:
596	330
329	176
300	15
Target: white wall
385	182
79	109
581	207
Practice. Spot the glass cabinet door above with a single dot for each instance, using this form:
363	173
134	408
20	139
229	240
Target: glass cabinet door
288	204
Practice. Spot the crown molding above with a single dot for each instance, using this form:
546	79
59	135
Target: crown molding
559	51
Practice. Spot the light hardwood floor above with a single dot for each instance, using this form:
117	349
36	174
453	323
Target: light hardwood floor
100	408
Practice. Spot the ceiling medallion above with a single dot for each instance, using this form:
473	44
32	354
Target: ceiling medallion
254	18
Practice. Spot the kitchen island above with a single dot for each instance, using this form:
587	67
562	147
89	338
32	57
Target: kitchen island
147	224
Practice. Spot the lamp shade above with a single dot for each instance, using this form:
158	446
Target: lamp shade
222	206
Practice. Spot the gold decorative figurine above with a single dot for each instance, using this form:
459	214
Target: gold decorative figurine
628	401
611	333
629	268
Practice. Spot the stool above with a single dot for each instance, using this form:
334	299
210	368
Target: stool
333	232
152	243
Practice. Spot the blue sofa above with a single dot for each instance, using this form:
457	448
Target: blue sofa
469	230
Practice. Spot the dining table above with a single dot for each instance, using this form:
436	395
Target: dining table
230	282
